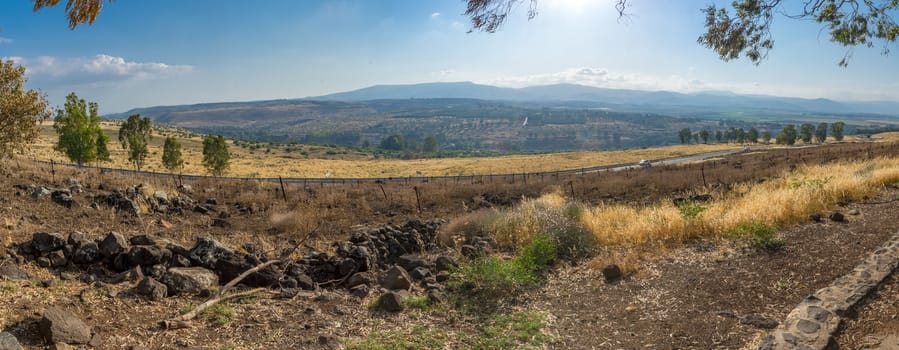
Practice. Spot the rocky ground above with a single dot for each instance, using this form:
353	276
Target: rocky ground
104	266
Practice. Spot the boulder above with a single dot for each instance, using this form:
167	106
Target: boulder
207	251
11	273
189	280
142	240
359	278
40	192
390	302
63	197
396	278
230	266
419	273
47	242
61	326
161	197
411	262
611	273
77	239
149	255
57	258
445	263
9	342
837	217
88	253
113	244
151	289
470	251
360	291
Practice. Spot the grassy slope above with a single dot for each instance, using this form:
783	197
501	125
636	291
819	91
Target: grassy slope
278	162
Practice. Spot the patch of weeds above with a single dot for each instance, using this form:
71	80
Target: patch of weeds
418	302
10	287
513	331
815	184
761	236
420	337
487	279
690	209
218	314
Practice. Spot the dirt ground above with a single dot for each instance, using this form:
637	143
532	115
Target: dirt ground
709	294
706	295
875	324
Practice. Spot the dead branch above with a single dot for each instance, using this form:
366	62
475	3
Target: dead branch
181	321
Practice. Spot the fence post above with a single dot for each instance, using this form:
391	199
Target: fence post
283	192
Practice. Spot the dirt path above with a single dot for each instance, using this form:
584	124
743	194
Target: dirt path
876	322
712	296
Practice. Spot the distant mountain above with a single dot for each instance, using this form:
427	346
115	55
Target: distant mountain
571	92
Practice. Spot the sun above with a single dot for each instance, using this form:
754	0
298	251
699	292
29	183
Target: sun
572	6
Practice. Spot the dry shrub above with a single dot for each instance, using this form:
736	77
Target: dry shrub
301	219
467	226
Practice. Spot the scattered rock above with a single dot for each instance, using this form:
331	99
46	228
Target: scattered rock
854	212
220	223
43	262
436	296
328	342
61	326
189	280
165	223
96	341
360	291
113	244
88	253
759	321
149	255
62	346
47	242
442	276
445	263
359	278
411	262
57	259
62	197
142	240
396	278
212	201
837	217
77	239
207	251
9	342
151	289
12	273
816	217
470	251
611	273
419	273
40	192
390	302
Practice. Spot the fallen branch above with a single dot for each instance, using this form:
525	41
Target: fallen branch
182	321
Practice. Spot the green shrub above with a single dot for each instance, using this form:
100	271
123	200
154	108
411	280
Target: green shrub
690	209
761	236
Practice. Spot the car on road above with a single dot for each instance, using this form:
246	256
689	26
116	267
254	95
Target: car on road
644	162
746	149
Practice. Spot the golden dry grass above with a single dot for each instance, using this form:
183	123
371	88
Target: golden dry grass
782	202
245	163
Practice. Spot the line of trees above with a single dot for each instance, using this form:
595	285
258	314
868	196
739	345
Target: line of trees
788	135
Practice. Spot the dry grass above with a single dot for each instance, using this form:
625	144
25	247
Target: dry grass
782	202
279	162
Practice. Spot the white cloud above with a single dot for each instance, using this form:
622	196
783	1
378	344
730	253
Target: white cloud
100	68
435	15
5	40
601	77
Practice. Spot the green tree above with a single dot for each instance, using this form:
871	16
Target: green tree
719	135
704	134
430	145
747	32
787	135
171	154
740	135
806	132
102	149
752	135
684	135
821	133
836	129
695	137
393	142
20	110
766	136
134	135
216	158
78	126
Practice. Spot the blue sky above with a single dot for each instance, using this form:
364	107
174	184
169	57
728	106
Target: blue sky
142	53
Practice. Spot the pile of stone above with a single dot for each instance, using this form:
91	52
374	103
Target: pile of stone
165	268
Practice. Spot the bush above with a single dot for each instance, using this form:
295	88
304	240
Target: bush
490	278
760	236
690	209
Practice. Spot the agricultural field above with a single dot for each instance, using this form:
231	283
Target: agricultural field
297	161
